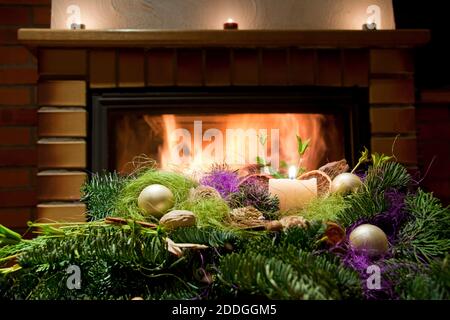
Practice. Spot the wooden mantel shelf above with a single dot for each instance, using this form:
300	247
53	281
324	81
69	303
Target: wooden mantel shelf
220	38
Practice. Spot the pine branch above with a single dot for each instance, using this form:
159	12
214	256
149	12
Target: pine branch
304	239
207	236
108	243
116	263
385	176
362	205
323	272
427	234
100	194
255	274
416	281
370	200
338	281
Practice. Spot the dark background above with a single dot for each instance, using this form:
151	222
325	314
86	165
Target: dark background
432	69
432	64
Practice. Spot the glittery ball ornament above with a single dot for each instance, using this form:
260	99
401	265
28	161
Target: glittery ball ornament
345	183
369	239
155	200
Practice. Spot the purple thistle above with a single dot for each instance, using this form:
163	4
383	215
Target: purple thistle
254	192
360	262
254	189
390	222
361	174
224	181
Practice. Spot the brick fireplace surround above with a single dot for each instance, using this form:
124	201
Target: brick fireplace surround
70	63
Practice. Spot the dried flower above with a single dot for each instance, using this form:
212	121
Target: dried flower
203	192
176	248
224	181
255	192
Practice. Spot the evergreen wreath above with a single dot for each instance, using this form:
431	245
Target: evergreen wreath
127	256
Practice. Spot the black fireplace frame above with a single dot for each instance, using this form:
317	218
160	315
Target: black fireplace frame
353	102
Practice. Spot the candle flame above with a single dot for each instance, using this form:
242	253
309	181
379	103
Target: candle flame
292	172
230	20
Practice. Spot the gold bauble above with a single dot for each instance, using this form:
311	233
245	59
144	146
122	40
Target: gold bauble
345	183
155	200
369	239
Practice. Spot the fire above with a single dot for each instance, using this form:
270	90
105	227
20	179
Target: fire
193	143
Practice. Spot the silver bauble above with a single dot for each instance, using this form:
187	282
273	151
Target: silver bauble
345	183
155	200
369	239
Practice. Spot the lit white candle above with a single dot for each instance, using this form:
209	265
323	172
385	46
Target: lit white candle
293	193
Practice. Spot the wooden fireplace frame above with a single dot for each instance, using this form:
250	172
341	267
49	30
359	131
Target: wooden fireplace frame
351	103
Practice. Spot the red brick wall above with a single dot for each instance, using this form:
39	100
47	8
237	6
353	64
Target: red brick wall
433	131
18	111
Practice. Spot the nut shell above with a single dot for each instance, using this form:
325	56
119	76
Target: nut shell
274	226
323	181
178	218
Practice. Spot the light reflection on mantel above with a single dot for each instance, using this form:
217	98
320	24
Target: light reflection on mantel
211	14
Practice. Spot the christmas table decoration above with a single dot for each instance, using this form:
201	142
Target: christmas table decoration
226	235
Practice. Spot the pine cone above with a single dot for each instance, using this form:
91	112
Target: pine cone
245	214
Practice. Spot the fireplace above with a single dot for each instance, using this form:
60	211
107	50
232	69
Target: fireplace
191	129
358	85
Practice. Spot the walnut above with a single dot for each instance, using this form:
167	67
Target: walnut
274	226
178	218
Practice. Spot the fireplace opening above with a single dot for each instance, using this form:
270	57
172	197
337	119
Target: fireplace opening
191	130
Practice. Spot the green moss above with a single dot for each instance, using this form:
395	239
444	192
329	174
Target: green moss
127	205
209	212
323	209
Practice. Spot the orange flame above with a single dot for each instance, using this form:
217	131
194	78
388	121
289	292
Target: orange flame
269	136
177	142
